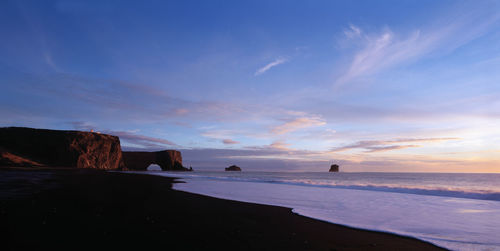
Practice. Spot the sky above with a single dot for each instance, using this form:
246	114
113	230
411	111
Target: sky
394	86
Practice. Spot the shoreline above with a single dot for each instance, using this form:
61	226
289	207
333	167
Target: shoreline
119	209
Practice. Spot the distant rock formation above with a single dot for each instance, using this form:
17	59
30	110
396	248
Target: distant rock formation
334	168
168	160
233	168
28	147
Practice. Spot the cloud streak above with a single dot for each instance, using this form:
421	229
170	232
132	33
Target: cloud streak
127	136
352	32
298	123
280	145
278	61
229	142
82	126
141	140
388	49
374	149
92	98
373	146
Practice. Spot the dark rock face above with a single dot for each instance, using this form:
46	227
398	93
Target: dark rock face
233	168
168	160
334	168
20	146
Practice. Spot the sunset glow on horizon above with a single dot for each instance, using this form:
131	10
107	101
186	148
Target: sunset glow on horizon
393	86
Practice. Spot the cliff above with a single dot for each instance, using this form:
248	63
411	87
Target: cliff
168	160
30	147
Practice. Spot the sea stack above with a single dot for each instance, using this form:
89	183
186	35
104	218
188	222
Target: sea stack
334	168
233	168
29	147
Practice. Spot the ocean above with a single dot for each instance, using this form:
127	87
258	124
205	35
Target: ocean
455	211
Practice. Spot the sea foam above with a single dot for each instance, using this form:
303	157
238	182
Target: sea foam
445	217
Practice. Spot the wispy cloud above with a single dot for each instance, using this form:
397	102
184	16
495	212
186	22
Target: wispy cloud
280	145
142	140
297	124
278	61
49	60
374	149
373	146
82	125
229	142
92	98
127	136
386	49
221	134
181	111
352	32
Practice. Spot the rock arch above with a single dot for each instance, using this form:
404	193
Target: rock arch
168	160
153	167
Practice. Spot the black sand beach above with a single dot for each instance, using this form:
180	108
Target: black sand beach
78	209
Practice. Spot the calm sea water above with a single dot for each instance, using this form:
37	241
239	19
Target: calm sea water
456	211
475	186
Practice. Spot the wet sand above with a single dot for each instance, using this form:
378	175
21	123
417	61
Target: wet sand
74	209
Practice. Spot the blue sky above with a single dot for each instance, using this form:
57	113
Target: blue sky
268	85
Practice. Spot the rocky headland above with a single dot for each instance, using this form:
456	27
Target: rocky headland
28	147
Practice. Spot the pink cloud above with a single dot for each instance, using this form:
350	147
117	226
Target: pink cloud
387	145
229	142
297	124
